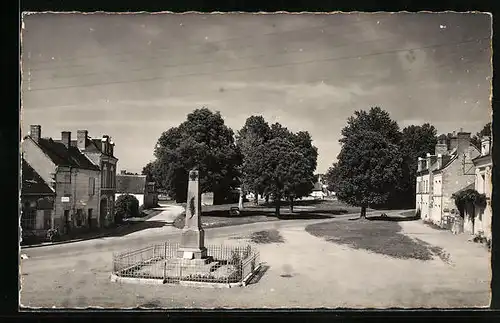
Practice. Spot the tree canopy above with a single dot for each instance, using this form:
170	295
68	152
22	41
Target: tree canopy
202	141
370	163
277	161
416	141
476	139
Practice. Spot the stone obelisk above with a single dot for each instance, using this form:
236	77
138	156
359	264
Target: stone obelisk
193	237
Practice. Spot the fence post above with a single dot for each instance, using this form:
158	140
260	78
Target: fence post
165	262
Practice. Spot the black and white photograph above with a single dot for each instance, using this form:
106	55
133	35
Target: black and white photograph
255	160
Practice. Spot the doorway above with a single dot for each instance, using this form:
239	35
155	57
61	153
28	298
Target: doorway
67	225
89	218
103	210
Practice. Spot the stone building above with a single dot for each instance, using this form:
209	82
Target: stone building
449	169
37	202
101	152
81	198
138	186
483	167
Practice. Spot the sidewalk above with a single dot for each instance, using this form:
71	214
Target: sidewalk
167	216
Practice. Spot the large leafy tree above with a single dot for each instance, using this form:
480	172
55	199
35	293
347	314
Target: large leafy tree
277	162
149	170
202	141
285	169
486	131
370	163
416	141
254	133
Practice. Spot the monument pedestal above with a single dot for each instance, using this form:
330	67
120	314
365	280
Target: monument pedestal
192	245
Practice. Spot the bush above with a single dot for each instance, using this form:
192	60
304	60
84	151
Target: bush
53	235
126	206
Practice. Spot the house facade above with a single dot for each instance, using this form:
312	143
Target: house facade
101	152
138	186
80	203
482	184
37	202
443	173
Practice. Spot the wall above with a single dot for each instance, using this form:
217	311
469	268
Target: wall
457	176
78	190
107	184
436	201
425	197
150	200
38	160
483	186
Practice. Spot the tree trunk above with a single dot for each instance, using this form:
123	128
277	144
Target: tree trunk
256	198
277	200
473	218
363	213
240	201
267	199
291	204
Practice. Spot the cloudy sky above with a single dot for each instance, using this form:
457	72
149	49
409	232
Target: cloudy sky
133	76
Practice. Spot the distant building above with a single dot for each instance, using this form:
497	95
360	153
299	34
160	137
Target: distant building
449	169
483	167
37	202
318	191
207	198
138	186
72	175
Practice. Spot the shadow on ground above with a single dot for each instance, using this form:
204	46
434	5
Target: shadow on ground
119	231
258	276
382	237
393	219
285	214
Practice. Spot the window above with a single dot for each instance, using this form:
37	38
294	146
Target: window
28	219
104	174
91	186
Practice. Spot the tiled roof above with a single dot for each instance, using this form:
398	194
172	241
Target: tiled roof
63	156
131	184
32	182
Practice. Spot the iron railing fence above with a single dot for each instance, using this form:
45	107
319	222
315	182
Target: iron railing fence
225	264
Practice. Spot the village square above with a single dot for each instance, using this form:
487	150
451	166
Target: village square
229	183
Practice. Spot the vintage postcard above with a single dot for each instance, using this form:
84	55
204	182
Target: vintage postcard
266	160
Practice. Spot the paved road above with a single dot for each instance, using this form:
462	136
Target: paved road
146	237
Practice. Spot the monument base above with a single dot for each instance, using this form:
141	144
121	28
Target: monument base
192	246
189	253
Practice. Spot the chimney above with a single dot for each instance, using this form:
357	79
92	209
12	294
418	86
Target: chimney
81	139
66	138
111	148
441	145
105	144
463	139
428	161
35	132
485	146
